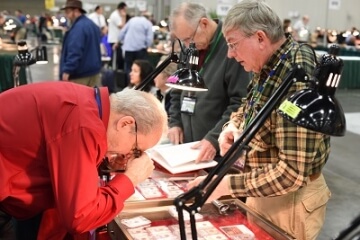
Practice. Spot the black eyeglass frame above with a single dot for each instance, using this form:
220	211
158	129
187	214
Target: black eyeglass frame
106	167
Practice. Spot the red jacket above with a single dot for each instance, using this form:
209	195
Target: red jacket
52	140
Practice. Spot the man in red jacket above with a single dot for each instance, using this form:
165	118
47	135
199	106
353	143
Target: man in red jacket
54	135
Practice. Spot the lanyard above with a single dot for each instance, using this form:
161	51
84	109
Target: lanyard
98	101
258	89
211	51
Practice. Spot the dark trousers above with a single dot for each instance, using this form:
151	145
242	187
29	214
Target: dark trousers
130	57
7	228
118	57
11	229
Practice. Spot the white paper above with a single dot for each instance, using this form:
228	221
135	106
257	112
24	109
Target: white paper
178	158
176	155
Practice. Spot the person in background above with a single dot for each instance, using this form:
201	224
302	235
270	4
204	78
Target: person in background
49	163
43	31
282	166
163	91
80	60
140	69
98	17
301	30
350	39
19	14
287	26
225	79
18	32
137	36
106	49
117	21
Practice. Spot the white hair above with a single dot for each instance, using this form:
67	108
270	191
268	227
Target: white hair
191	12
147	111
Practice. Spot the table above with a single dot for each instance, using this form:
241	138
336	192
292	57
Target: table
168	185
155	55
6	71
343	51
350	78
160	217
57	34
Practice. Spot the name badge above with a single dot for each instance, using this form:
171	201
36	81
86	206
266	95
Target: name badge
188	105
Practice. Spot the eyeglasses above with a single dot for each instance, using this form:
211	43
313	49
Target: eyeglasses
117	162
232	46
191	38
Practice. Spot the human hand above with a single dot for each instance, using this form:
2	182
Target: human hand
221	190
65	76
139	169
115	46
207	151
176	135
227	138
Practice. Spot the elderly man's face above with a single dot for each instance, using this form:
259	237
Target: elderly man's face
125	144
123	139
188	33
244	49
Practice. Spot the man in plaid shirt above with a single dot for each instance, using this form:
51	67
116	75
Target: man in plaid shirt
282	177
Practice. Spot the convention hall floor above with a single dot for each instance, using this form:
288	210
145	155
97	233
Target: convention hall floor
342	172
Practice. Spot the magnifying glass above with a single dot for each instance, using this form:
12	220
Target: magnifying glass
222	207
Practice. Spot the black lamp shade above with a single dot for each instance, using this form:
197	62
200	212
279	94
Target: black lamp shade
320	113
317	108
41	55
186	79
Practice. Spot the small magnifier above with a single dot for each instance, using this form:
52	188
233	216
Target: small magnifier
222	207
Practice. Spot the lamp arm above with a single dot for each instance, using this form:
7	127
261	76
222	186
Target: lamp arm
351	231
202	192
173	57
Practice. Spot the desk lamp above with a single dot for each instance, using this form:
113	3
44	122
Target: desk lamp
186	78
26	58
315	108
352	232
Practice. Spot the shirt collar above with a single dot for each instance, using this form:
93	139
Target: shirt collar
265	71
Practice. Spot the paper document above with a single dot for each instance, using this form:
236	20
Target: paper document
178	158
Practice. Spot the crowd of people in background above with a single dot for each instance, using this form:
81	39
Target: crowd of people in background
242	60
39	25
303	33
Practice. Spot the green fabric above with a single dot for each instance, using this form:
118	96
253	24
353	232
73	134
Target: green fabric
58	34
154	57
6	72
350	77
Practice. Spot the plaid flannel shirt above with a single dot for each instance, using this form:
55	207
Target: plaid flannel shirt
282	155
